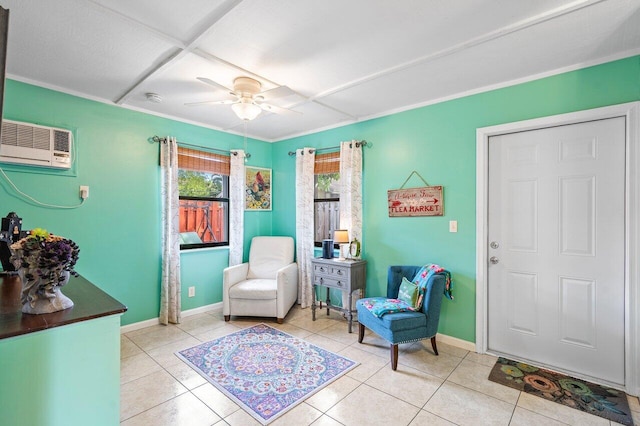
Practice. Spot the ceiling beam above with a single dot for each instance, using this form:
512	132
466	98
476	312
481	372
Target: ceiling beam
161	35
186	48
182	48
484	38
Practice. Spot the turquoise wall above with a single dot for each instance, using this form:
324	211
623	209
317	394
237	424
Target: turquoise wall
439	142
118	228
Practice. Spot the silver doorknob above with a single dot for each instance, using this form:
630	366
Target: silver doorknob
494	260
494	245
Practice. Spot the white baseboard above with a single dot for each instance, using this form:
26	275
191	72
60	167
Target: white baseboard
154	321
202	309
138	325
454	341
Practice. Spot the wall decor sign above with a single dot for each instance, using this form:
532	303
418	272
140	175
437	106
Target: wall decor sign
424	201
257	188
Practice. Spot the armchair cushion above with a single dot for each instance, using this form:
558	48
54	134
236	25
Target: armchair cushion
268	255
395	328
256	289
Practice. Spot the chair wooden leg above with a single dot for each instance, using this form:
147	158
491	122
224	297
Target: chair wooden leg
227	318
280	320
360	332
433	345
394	357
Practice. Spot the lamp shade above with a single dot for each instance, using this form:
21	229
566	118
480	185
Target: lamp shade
341	236
246	109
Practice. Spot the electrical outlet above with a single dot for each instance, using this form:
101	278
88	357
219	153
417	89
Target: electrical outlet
453	226
84	192
192	291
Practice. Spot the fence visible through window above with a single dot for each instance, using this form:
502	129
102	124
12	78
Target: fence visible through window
326	218
205	218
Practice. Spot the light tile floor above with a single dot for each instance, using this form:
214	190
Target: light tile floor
157	388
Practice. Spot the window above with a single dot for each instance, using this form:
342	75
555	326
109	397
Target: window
203	186
326	196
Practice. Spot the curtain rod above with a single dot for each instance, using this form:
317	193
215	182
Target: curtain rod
164	140
358	143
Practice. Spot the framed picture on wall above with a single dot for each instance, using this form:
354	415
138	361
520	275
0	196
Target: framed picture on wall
257	188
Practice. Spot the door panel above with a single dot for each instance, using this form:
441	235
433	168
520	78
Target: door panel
556	210
577	215
524	318
578	312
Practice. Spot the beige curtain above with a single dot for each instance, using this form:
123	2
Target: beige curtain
351	196
236	207
170	302
305	161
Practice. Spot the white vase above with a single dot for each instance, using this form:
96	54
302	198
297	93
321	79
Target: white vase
39	294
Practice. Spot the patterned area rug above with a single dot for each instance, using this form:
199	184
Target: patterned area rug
264	370
602	401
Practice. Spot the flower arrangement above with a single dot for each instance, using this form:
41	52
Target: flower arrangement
44	262
50	251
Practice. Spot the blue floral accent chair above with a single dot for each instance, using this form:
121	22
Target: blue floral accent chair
404	327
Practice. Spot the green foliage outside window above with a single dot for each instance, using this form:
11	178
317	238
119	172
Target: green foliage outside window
325	180
199	184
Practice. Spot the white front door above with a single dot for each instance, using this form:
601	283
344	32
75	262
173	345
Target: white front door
556	234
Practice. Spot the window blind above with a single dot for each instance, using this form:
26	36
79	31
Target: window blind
327	163
201	161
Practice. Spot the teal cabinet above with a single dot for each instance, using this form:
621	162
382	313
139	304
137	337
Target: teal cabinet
67	373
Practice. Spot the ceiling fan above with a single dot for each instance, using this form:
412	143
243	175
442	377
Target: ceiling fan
249	101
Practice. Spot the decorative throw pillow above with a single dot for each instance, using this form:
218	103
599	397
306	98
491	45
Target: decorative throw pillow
409	293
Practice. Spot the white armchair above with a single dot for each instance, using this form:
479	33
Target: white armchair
266	286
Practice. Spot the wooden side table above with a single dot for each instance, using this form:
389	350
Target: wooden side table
345	275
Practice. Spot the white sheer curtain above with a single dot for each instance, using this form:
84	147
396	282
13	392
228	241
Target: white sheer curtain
305	161
351	194
236	207
170	302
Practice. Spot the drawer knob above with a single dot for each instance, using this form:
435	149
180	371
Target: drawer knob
339	272
339	283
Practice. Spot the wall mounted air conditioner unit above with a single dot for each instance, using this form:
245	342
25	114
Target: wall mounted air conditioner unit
25	143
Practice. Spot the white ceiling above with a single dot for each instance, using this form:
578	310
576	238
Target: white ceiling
346	60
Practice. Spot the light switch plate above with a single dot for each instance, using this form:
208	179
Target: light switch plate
453	226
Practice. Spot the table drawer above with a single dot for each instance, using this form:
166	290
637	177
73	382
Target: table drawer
339	272
331	270
330	282
321	269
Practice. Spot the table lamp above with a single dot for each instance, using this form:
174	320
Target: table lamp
341	237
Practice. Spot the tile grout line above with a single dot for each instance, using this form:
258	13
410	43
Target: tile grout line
436	391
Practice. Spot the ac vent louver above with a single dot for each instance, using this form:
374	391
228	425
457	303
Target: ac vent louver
9	134
30	144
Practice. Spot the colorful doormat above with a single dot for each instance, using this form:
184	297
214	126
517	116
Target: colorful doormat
266	371
602	401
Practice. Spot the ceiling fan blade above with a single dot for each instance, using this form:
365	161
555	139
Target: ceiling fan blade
277	109
277	92
222	102
214	84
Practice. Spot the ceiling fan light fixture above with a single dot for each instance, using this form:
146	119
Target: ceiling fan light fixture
246	109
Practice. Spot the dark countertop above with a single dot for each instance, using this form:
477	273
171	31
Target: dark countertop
89	303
